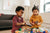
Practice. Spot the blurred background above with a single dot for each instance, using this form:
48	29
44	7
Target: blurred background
7	11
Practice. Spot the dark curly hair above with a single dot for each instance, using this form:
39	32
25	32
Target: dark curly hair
19	8
35	8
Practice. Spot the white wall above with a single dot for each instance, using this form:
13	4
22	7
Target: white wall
5	11
9	9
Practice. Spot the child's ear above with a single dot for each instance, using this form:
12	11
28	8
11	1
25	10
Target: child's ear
16	11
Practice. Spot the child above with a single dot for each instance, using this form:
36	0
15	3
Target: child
36	19
18	20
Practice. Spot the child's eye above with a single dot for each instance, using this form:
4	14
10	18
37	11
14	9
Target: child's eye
22	12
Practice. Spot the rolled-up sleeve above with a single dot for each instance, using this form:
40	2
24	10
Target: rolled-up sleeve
14	20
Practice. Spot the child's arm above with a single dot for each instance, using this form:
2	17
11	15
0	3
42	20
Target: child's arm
23	23
15	22
41	21
20	24
31	21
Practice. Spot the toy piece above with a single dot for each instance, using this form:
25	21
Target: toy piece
31	32
31	29
37	30
28	32
40	32
34	30
46	31
23	30
17	31
36	22
20	29
43	31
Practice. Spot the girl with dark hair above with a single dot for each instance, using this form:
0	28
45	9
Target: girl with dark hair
36	19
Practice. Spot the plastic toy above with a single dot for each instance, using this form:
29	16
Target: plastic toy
46	31
17	31
20	29
28	32
36	22
43	31
31	32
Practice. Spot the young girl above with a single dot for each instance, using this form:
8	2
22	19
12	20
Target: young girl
36	19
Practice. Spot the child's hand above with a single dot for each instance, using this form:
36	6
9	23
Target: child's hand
39	24
32	23
36	22
22	23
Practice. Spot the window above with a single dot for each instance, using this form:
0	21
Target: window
44	6
47	6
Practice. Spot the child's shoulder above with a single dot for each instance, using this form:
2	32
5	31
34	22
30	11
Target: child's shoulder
40	16
14	17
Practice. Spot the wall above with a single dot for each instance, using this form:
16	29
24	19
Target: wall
32	2
46	20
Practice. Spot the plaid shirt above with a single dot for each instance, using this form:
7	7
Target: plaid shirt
15	20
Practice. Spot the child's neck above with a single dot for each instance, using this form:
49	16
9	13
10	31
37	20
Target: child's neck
35	15
17	15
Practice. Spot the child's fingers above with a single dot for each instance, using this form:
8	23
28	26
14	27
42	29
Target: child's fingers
39	23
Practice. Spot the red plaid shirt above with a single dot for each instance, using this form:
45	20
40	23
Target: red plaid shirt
15	20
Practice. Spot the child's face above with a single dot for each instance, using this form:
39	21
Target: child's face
20	12
35	12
